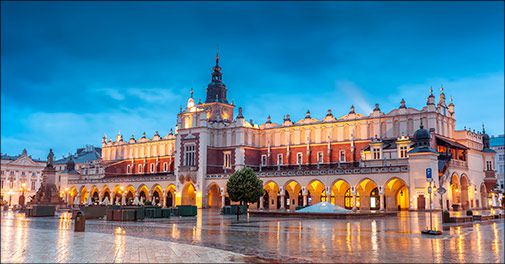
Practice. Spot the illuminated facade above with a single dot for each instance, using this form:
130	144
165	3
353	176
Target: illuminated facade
20	175
367	162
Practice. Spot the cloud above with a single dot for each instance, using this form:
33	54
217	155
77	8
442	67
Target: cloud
153	95
353	92
112	93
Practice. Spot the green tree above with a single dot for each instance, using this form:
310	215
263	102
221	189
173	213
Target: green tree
244	187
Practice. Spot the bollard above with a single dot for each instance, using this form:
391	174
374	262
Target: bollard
80	222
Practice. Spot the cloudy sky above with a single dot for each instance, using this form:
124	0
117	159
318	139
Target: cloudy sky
73	71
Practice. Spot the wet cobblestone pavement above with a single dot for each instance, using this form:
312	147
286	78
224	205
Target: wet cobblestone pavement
388	239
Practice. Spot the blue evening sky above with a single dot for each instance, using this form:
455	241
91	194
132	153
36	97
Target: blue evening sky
73	71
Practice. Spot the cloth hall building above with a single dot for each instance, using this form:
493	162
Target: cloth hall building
371	161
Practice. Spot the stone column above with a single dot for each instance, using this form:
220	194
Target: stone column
100	196
354	202
223	197
123	199
381	205
261	203
282	202
164	202
304	199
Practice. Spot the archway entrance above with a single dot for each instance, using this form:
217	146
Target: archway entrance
214	196
455	191
338	193
266	200
95	198
464	193
84	195
369	199
271	195
170	197
396	195
292	196
188	194
317	192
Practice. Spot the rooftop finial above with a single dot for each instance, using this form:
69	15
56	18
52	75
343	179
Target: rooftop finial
431	90
191	93
421	125
307	115
352	110
483	129
442	88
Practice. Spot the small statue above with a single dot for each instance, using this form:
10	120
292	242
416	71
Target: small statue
50	158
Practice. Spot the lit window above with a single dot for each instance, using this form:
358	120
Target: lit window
152	167
376	153
263	160
342	155
279	159
320	157
165	167
140	168
227	160
299	158
189	155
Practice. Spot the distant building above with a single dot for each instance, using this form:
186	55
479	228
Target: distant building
498	145
87	162
20	174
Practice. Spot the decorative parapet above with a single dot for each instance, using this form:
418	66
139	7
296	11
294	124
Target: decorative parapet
321	172
166	177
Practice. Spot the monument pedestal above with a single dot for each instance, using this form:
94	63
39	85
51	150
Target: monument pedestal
47	199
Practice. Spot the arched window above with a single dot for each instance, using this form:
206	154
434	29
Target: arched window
140	168
152	167
128	169
348	199
165	167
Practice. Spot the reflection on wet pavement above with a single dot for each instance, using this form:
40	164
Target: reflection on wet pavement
387	239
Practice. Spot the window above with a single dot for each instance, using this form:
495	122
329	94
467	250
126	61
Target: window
165	167
263	160
152	167
403	151
489	165
140	168
299	158
376	153
227	160
501	157
128	169
279	159
33	185
189	155
501	169
342	156
320	157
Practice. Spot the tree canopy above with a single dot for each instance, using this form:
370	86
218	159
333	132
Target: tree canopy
244	186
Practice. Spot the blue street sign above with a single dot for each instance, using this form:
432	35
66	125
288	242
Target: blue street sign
428	174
